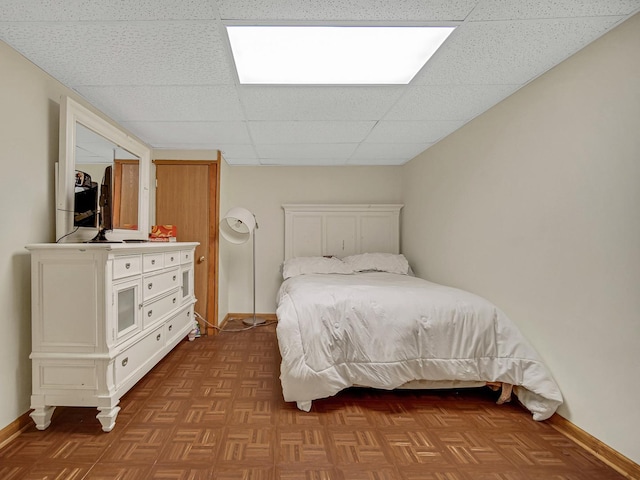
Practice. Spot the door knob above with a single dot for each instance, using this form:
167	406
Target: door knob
201	259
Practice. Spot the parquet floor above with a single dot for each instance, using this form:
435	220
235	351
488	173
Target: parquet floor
213	409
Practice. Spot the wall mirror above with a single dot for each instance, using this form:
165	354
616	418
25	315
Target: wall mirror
103	179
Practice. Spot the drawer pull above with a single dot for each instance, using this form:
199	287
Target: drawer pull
187	256
170	327
125	361
174	278
127	266
153	262
158	337
174	299
149	313
150	286
188	314
172	259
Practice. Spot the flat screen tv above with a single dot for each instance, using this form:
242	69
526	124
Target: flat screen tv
105	211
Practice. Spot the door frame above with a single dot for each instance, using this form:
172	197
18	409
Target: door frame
214	201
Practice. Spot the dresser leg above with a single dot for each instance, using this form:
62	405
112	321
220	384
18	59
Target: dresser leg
41	415
107	417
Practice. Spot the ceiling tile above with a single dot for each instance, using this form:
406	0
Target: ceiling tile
83	10
309	132
124	53
378	161
165	103
454	102
398	151
167	134
243	161
163	70
501	10
509	52
365	10
411	132
306	151
231	151
318	103
306	162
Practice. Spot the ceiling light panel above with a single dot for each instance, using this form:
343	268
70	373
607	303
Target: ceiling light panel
330	55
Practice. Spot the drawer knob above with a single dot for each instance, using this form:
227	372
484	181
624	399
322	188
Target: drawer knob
174	278
150	286
158	337
170	327
174	299
127	266
125	361
188	314
149	313
172	259
153	262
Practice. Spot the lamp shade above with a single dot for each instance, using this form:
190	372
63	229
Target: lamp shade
237	225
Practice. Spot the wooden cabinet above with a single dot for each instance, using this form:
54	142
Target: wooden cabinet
102	316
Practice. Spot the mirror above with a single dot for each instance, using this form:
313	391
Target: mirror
103	179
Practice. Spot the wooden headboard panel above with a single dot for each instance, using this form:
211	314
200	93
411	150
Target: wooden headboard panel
340	230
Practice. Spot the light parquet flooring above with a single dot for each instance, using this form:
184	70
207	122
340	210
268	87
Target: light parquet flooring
213	409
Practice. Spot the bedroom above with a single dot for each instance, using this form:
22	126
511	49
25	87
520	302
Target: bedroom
533	205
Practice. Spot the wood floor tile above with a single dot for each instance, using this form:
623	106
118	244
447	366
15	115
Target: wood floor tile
213	410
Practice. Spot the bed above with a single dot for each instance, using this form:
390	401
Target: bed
351	318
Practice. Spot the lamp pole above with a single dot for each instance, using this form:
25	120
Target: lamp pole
254	321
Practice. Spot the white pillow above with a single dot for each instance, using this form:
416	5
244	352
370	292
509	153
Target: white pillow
378	262
307	265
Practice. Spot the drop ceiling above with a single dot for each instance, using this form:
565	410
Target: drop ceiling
163	70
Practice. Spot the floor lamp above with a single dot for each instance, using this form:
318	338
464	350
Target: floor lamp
238	226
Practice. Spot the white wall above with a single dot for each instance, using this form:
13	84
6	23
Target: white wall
29	129
28	151
536	205
263	190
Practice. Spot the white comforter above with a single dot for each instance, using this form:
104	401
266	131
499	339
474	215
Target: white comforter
383	330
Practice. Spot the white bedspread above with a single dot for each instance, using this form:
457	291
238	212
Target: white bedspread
383	330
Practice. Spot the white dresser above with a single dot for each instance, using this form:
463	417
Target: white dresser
102	316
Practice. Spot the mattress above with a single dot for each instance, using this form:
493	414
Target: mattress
385	330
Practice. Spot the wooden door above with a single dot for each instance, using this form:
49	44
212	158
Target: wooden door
187	196
125	194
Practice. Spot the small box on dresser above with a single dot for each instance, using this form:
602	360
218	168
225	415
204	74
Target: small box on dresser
103	315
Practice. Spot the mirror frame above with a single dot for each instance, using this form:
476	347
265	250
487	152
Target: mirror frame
71	113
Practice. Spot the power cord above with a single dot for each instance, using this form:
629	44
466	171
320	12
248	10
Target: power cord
73	231
250	327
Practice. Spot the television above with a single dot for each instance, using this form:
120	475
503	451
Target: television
105	211
85	210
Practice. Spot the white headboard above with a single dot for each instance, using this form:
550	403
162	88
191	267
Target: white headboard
340	230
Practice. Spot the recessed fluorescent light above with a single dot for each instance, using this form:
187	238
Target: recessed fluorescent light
322	55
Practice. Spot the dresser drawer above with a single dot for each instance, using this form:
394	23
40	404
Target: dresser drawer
178	325
126	266
154	285
152	261
137	355
186	256
154	311
172	259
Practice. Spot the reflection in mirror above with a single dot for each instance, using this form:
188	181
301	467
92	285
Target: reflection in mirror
103	182
102	165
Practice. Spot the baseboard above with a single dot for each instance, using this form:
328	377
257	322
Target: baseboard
14	429
608	455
